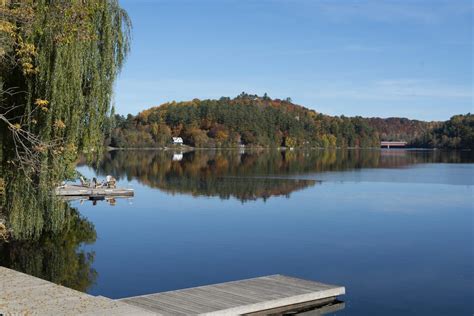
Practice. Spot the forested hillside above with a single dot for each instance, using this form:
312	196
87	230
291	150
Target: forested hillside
246	119
399	128
457	133
261	121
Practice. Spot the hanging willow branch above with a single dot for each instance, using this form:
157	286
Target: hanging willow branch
58	63
65	55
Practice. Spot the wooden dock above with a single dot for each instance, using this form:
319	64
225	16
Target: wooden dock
22	294
78	191
268	295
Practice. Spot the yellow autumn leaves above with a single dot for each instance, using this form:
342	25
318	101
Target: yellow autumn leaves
7	27
24	52
42	104
12	40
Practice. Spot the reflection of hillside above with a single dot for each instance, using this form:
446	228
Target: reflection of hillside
232	174
224	174
242	188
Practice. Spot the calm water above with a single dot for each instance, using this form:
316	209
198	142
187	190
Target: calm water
394	227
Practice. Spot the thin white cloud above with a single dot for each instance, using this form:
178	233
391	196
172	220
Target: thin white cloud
393	11
393	89
406	97
349	48
136	95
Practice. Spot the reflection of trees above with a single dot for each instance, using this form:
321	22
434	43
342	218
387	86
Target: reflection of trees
251	175
45	235
211	173
55	255
242	188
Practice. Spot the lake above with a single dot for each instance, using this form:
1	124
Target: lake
393	226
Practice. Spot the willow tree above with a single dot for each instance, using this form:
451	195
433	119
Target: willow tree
61	62
58	63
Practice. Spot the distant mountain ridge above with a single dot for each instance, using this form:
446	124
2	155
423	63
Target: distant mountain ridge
256	121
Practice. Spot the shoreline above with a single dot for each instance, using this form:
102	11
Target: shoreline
189	148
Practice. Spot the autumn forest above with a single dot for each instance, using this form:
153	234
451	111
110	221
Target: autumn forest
256	121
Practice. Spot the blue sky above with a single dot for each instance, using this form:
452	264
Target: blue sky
372	58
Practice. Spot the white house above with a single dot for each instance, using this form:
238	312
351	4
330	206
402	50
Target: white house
177	140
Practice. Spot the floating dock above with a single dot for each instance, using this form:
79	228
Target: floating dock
81	191
271	295
267	295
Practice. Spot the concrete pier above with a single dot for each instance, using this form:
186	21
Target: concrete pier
22	294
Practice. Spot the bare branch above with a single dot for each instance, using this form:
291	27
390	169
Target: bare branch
28	146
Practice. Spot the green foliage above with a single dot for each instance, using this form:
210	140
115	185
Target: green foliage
58	63
245	120
262	122
59	66
457	133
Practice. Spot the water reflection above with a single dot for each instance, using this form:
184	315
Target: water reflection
54	252
48	235
323	309
252	175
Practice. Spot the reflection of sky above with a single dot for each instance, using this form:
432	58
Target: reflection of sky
454	174
400	247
